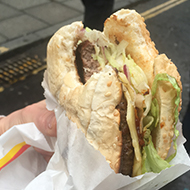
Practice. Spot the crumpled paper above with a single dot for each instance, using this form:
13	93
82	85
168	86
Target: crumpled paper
76	165
21	171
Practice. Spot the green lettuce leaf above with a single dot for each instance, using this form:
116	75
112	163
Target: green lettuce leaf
172	80
151	121
88	29
154	114
151	160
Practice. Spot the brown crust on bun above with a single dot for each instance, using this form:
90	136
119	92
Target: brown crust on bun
128	25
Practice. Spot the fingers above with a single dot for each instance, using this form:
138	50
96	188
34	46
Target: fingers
44	119
47	124
9	121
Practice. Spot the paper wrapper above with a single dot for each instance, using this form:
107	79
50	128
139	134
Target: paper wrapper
29	164
76	165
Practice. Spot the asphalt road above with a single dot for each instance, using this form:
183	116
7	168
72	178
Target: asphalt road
169	28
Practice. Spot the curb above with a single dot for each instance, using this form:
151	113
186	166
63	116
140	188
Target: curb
14	46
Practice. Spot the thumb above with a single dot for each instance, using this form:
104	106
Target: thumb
44	119
47	124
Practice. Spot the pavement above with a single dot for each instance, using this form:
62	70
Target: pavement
23	22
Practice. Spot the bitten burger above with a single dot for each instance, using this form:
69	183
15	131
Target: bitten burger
123	95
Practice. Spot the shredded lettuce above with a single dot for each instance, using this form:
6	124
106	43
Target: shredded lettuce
138	78
96	37
114	55
99	56
88	29
117	58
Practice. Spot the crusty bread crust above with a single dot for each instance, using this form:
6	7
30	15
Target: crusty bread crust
60	59
128	25
90	106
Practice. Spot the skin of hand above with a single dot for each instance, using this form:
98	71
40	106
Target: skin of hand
37	113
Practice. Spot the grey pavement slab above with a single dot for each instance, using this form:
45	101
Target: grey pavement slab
20	4
39	19
7	12
20	26
35	36
75	4
63	0
47	32
2	39
52	13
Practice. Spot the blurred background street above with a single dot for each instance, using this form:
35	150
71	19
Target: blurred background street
27	25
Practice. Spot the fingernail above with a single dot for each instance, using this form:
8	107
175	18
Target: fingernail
49	126
52	123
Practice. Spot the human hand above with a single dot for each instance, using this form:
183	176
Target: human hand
44	120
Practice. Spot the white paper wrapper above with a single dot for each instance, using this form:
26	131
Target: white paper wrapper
28	165
75	164
80	166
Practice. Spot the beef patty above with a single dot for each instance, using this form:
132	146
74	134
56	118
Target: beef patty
86	66
127	154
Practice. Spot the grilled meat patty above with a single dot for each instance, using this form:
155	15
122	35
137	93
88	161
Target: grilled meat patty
86	66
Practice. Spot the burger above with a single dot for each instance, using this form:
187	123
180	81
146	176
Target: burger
123	95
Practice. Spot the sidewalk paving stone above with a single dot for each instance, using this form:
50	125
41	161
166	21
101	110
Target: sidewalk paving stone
63	0
75	4
20	25
21	5
23	22
52	13
2	39
7	12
